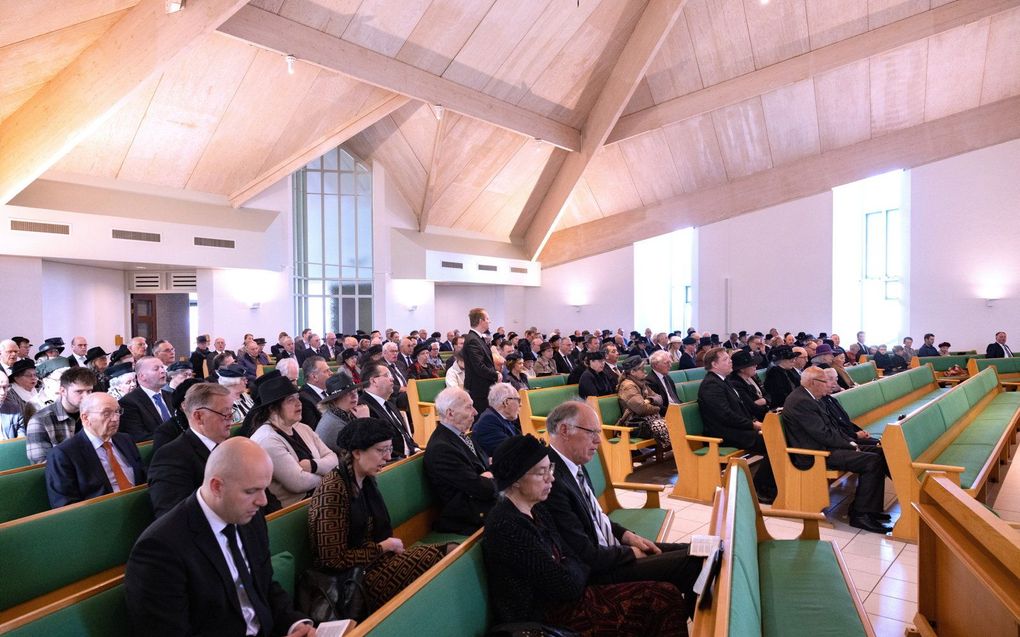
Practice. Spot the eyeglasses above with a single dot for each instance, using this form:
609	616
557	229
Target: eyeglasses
229	417
109	413
384	450
594	433
512	398
543	473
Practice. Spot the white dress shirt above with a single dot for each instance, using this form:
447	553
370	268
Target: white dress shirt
217	525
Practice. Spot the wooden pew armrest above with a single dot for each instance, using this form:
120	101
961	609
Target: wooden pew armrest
652	492
810	520
807	452
618	428
705	439
926	466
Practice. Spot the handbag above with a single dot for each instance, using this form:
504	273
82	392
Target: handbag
329	594
529	629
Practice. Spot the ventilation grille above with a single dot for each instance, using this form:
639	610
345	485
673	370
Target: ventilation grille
487	268
131	235
518	270
214	243
453	265
36	226
182	281
146	280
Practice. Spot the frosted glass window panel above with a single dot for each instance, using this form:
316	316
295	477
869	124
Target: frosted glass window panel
346	160
349	314
315	164
364	313
314	228
314	182
347	183
348	231
874	245
364	232
330	183
314	270
316	307
331	229
364	183
894	244
329	160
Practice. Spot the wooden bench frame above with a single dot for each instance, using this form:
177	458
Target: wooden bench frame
1009	381
714	620
618	454
969	565
905	471
424	417
697	477
531	424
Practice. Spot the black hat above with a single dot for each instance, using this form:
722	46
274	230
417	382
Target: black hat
274	387
230	371
528	356
418	349
544	346
742	333
630	363
375	350
204	338
513	357
348	354
47	367
339	384
634	333
113	371
363	433
742	359
436	335
120	353
554	339
823	335
260	341
22	366
48	346
94	353
714	339
179	366
595	356
21	340
705	341
783	353
177	398
689	340
640	340
514	457
576	339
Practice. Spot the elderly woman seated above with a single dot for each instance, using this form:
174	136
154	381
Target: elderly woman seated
349	359
339	408
639	402
546	363
232	377
349	524
421	369
514	373
122	379
535	577
500	421
455	373
300	458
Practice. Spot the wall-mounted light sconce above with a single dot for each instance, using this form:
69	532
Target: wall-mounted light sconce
255	305
412	308
990	302
577	308
290	64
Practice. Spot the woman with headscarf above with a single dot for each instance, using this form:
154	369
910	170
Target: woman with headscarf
639	402
535	578
300	458
348	522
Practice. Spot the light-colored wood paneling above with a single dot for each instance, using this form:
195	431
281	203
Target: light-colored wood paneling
641	100
1002	61
719	31
695	150
743	139
651	167
843	98
791	121
384	143
22	20
956	62
518	180
328	16
580	208
441	32
778	30
830	21
610	181
537	195
674	71
383	25
265	101
883	12
417	123
184	112
897	88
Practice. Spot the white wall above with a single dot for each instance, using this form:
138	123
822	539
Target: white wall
506	305
21	312
779	264
83	301
965	231
603	285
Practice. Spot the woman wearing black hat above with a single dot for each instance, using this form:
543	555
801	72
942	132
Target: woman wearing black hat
781	379
300	458
546	364
744	380
349	359
639	402
339	408
515	371
533	575
348	522
98	361
420	369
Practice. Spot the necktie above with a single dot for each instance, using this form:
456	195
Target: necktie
470	443
667	382
247	584
566	359
163	411
409	445
398	375
603	528
1006	351
118	472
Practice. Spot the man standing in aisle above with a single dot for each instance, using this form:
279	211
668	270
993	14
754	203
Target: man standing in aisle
479	370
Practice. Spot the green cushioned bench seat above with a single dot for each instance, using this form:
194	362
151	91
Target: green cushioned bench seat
644	522
101	615
428	389
556	380
13	454
723	451
970	457
877	428
24	493
863	373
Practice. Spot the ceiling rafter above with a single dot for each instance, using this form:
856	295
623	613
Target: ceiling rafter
76	100
812	63
907	148
651	29
430	185
270	31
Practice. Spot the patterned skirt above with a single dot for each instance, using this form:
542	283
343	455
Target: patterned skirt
640	609
392	573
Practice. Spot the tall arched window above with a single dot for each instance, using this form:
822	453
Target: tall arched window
333	244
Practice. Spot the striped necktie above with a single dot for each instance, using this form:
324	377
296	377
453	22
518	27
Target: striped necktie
603	527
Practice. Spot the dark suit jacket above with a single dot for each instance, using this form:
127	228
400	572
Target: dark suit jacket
197	358
454	473
994	350
724	415
653	382
402	364
169	431
807	426
141	418
178	583
401	439
928	350
569	508
687	361
491	429
479	371
310	413
446	346
779	383
561	364
176	471
592	384
748	395
74	472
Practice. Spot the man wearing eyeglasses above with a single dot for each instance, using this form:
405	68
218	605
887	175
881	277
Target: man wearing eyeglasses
95	461
178	467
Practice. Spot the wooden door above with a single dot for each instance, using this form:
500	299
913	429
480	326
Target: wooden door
143	316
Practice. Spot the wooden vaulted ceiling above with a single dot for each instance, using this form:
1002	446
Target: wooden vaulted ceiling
568	127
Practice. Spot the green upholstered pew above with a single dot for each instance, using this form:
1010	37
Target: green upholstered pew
1008	369
541	382
699	459
863	372
968	433
618	442
537	403
421	397
775	588
13	454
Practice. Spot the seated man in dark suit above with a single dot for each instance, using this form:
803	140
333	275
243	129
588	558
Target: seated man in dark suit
660	382
839	415
807	426
500	421
613	553
456	468
147	405
998	349
178	467
725	416
928	349
95	461
204	569
317	372
377	398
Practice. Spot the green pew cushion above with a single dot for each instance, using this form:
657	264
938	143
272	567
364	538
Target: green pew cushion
878	427
429	611
545	400
943	363
13	454
723	451
953	406
692	419
1000	411
678	376
103	614
644	522
633	439
429	389
283	571
982	432
556	380
145	451
289	533
863	373
896	386
970	457
441	538
688	390
921	376
1007	398
405	490
1004	365
922	429
860	400
803	591
24	493
696	373
745	602
609	410
596	475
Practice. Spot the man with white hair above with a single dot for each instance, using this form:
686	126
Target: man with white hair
79	348
9	352
456	468
500	421
659	380
289	368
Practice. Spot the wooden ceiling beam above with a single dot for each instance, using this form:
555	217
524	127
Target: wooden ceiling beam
270	31
629	69
802	67
329	141
430	185
908	148
76	100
